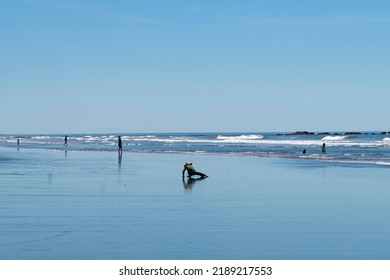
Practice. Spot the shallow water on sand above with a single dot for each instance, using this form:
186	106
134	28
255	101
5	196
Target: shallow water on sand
91	205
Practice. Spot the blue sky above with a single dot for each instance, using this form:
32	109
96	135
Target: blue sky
194	66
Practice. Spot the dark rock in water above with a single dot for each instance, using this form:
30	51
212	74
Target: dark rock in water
352	133
301	133
382	133
323	133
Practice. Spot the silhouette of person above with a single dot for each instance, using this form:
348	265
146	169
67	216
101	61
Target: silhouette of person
66	140
323	149
119	145
191	171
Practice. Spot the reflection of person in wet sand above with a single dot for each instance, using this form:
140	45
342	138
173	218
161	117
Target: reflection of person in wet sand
119	162
191	171
190	183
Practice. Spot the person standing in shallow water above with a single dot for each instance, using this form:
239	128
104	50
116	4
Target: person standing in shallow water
119	145
191	171
66	141
323	149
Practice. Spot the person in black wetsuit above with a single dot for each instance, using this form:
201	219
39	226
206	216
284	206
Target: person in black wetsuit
191	171
119	145
323	148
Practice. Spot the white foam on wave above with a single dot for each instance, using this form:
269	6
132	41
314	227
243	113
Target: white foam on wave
40	137
244	137
386	139
185	139
240	139
335	138
171	139
92	139
255	139
382	163
292	142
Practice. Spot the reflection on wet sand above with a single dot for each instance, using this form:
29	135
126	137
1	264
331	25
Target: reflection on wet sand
190	182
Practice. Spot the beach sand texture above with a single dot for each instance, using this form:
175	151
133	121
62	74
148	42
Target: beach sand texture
89	205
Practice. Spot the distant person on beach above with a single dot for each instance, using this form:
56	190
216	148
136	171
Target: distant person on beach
119	145
66	140
323	149
191	171
304	151
17	142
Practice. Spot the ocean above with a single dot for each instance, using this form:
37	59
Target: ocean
371	148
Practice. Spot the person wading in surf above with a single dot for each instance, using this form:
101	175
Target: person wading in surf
323	149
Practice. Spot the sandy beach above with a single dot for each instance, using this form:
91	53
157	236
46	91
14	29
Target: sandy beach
91	205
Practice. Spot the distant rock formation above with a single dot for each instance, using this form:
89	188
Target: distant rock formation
301	133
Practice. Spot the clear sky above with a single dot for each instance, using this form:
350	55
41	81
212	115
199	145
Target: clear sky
194	66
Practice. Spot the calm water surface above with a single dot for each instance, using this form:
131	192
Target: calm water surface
92	205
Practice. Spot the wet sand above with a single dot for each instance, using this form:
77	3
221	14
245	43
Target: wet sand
90	205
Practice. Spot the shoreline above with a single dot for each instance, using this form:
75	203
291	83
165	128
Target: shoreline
317	158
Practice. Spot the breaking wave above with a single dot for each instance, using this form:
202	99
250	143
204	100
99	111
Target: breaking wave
240	139
335	138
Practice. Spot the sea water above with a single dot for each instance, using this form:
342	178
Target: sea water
342	147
